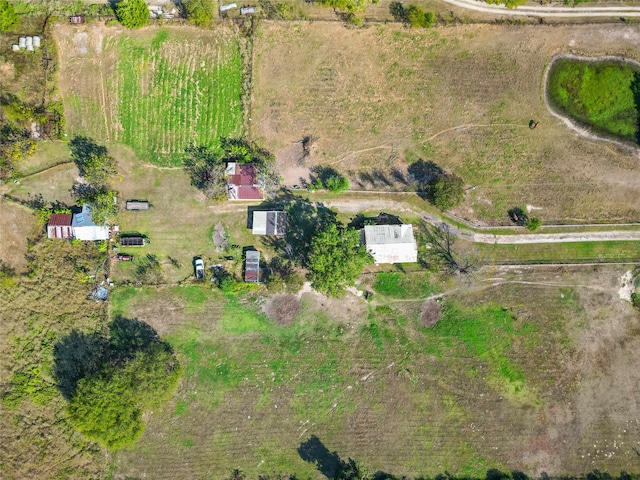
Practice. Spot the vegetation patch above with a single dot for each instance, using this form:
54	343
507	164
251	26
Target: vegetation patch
604	95
155	91
400	285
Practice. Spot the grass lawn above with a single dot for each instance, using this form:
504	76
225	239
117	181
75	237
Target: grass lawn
404	286
571	252
598	94
155	90
326	376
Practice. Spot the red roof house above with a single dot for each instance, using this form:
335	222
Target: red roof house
243	182
59	226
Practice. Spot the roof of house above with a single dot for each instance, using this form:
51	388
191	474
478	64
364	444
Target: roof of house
85	229
252	266
269	223
243	182
60	220
391	243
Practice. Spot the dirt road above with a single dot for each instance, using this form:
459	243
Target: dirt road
548	10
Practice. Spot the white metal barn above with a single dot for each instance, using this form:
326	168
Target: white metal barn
391	243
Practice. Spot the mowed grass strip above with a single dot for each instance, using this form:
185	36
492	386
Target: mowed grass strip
571	252
170	91
598	94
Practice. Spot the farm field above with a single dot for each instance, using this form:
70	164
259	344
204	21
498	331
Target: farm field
155	90
513	376
379	99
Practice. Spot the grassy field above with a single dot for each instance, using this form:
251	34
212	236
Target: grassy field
366	381
571	252
598	94
382	98
155	90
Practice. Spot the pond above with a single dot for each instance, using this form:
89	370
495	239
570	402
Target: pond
602	95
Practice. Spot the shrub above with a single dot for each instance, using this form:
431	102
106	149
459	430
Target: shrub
446	191
132	13
533	224
416	17
635	300
337	183
8	17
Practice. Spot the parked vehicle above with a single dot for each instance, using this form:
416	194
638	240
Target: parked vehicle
199	266
123	257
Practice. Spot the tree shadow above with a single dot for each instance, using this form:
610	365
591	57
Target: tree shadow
518	216
76	356
423	173
360	220
314	451
84	147
80	355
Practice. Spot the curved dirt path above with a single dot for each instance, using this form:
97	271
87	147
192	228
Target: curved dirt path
547	10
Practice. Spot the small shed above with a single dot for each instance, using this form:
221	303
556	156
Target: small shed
132	241
231	6
269	223
248	10
59	226
252	266
137	205
76	19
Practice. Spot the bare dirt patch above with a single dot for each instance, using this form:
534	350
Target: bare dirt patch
283	308
380	98
431	313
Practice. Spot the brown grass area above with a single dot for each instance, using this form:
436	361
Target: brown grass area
37	441
283	308
431	313
383	96
17	225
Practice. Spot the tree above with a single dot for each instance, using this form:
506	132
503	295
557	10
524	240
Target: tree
200	12
447	191
15	144
108	408
416	17
132	13
100	198
207	171
440	252
336	258
532	224
8	17
92	160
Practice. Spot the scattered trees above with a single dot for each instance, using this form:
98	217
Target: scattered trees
97	169
336	258
132	13
412	15
8	17
441	253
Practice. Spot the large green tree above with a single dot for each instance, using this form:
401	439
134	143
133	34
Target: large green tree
336	258
447	191
8	17
108	407
132	13
200	12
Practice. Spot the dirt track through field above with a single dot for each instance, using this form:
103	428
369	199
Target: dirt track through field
547	11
